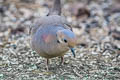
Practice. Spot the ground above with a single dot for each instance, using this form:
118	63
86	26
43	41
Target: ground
96	24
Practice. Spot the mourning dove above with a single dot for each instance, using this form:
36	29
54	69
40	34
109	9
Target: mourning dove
51	36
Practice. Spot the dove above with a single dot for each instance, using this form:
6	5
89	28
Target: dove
51	35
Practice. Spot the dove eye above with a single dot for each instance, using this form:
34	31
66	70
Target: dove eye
58	41
65	40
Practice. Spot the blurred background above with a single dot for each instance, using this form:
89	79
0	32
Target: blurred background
95	22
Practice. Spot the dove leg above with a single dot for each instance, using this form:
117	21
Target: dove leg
47	64
62	60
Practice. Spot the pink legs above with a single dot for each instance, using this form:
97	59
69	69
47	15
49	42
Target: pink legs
47	64
62	60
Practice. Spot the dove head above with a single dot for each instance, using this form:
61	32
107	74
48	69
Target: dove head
67	39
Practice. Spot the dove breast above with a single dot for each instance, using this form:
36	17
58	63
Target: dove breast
44	42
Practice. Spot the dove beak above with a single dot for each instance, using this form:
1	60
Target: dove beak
73	51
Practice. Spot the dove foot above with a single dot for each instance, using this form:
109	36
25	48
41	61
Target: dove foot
47	64
62	60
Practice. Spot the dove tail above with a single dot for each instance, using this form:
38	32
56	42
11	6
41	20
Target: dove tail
56	9
57	6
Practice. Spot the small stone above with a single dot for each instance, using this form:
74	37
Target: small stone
1	76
